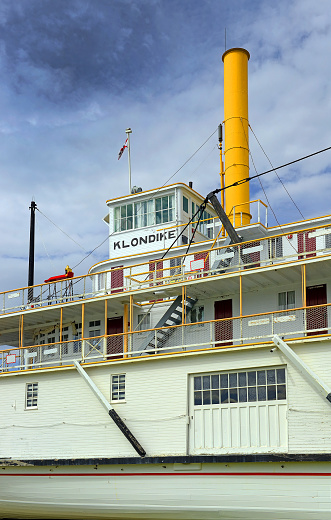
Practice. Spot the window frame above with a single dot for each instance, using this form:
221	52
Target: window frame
35	393
112	383
232	377
149	212
199	318
143	318
287	305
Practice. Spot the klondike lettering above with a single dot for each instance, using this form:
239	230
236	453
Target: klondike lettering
158	237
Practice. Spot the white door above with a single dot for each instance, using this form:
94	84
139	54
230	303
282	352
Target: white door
238	412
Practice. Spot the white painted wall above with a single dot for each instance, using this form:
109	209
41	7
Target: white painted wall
70	422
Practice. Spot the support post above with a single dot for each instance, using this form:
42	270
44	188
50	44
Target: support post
106	330
304	292
241	306
83	335
111	412
126	328
21	331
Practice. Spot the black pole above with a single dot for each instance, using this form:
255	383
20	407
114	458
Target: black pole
31	251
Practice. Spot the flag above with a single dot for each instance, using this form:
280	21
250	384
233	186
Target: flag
120	153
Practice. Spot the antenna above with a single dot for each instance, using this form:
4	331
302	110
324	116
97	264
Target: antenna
224	39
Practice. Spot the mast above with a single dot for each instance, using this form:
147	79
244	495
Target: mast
128	131
31	250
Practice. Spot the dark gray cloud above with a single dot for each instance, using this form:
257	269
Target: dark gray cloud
67	51
75	73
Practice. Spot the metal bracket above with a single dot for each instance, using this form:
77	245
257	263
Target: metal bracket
304	369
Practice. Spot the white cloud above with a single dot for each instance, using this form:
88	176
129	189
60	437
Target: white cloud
62	148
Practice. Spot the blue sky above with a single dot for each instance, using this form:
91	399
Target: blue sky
74	74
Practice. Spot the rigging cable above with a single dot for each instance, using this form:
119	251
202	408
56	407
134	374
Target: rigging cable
39	233
280	180
180	234
251	156
265	194
201	208
66	234
242	181
247	179
196	151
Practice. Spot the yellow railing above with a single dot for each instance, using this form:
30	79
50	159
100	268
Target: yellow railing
249	330
219	260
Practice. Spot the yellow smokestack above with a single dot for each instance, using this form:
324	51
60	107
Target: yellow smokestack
236	151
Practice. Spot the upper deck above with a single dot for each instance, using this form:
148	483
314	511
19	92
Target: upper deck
70	318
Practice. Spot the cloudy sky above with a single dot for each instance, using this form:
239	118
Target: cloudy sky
76	73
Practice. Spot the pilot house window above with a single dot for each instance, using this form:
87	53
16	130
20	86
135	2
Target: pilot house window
145	213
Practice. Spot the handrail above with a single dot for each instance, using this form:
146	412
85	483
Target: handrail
138	275
250	330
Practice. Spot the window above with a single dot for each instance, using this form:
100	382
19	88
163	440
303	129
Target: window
31	395
164	209
185	204
144	321
144	213
124	217
206	218
94	330
175	266
197	314
276	247
286	300
78	335
240	387
101	281
118	387
65	337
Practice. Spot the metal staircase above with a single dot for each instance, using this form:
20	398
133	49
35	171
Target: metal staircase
173	316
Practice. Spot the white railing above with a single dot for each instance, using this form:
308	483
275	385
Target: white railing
220	260
230	332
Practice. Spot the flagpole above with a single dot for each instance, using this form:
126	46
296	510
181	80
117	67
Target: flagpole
128	131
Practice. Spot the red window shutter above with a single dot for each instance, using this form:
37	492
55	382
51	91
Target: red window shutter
117	279
306	244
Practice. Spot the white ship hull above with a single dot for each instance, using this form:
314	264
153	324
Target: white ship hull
250	491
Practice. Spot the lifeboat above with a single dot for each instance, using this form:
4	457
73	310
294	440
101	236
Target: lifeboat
68	274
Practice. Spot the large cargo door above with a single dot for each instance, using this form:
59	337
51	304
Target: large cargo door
223	329
238	412
317	317
114	343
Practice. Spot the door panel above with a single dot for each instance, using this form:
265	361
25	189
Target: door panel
223	329
317	317
115	343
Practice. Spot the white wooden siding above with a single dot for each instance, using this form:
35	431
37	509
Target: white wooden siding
70	422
